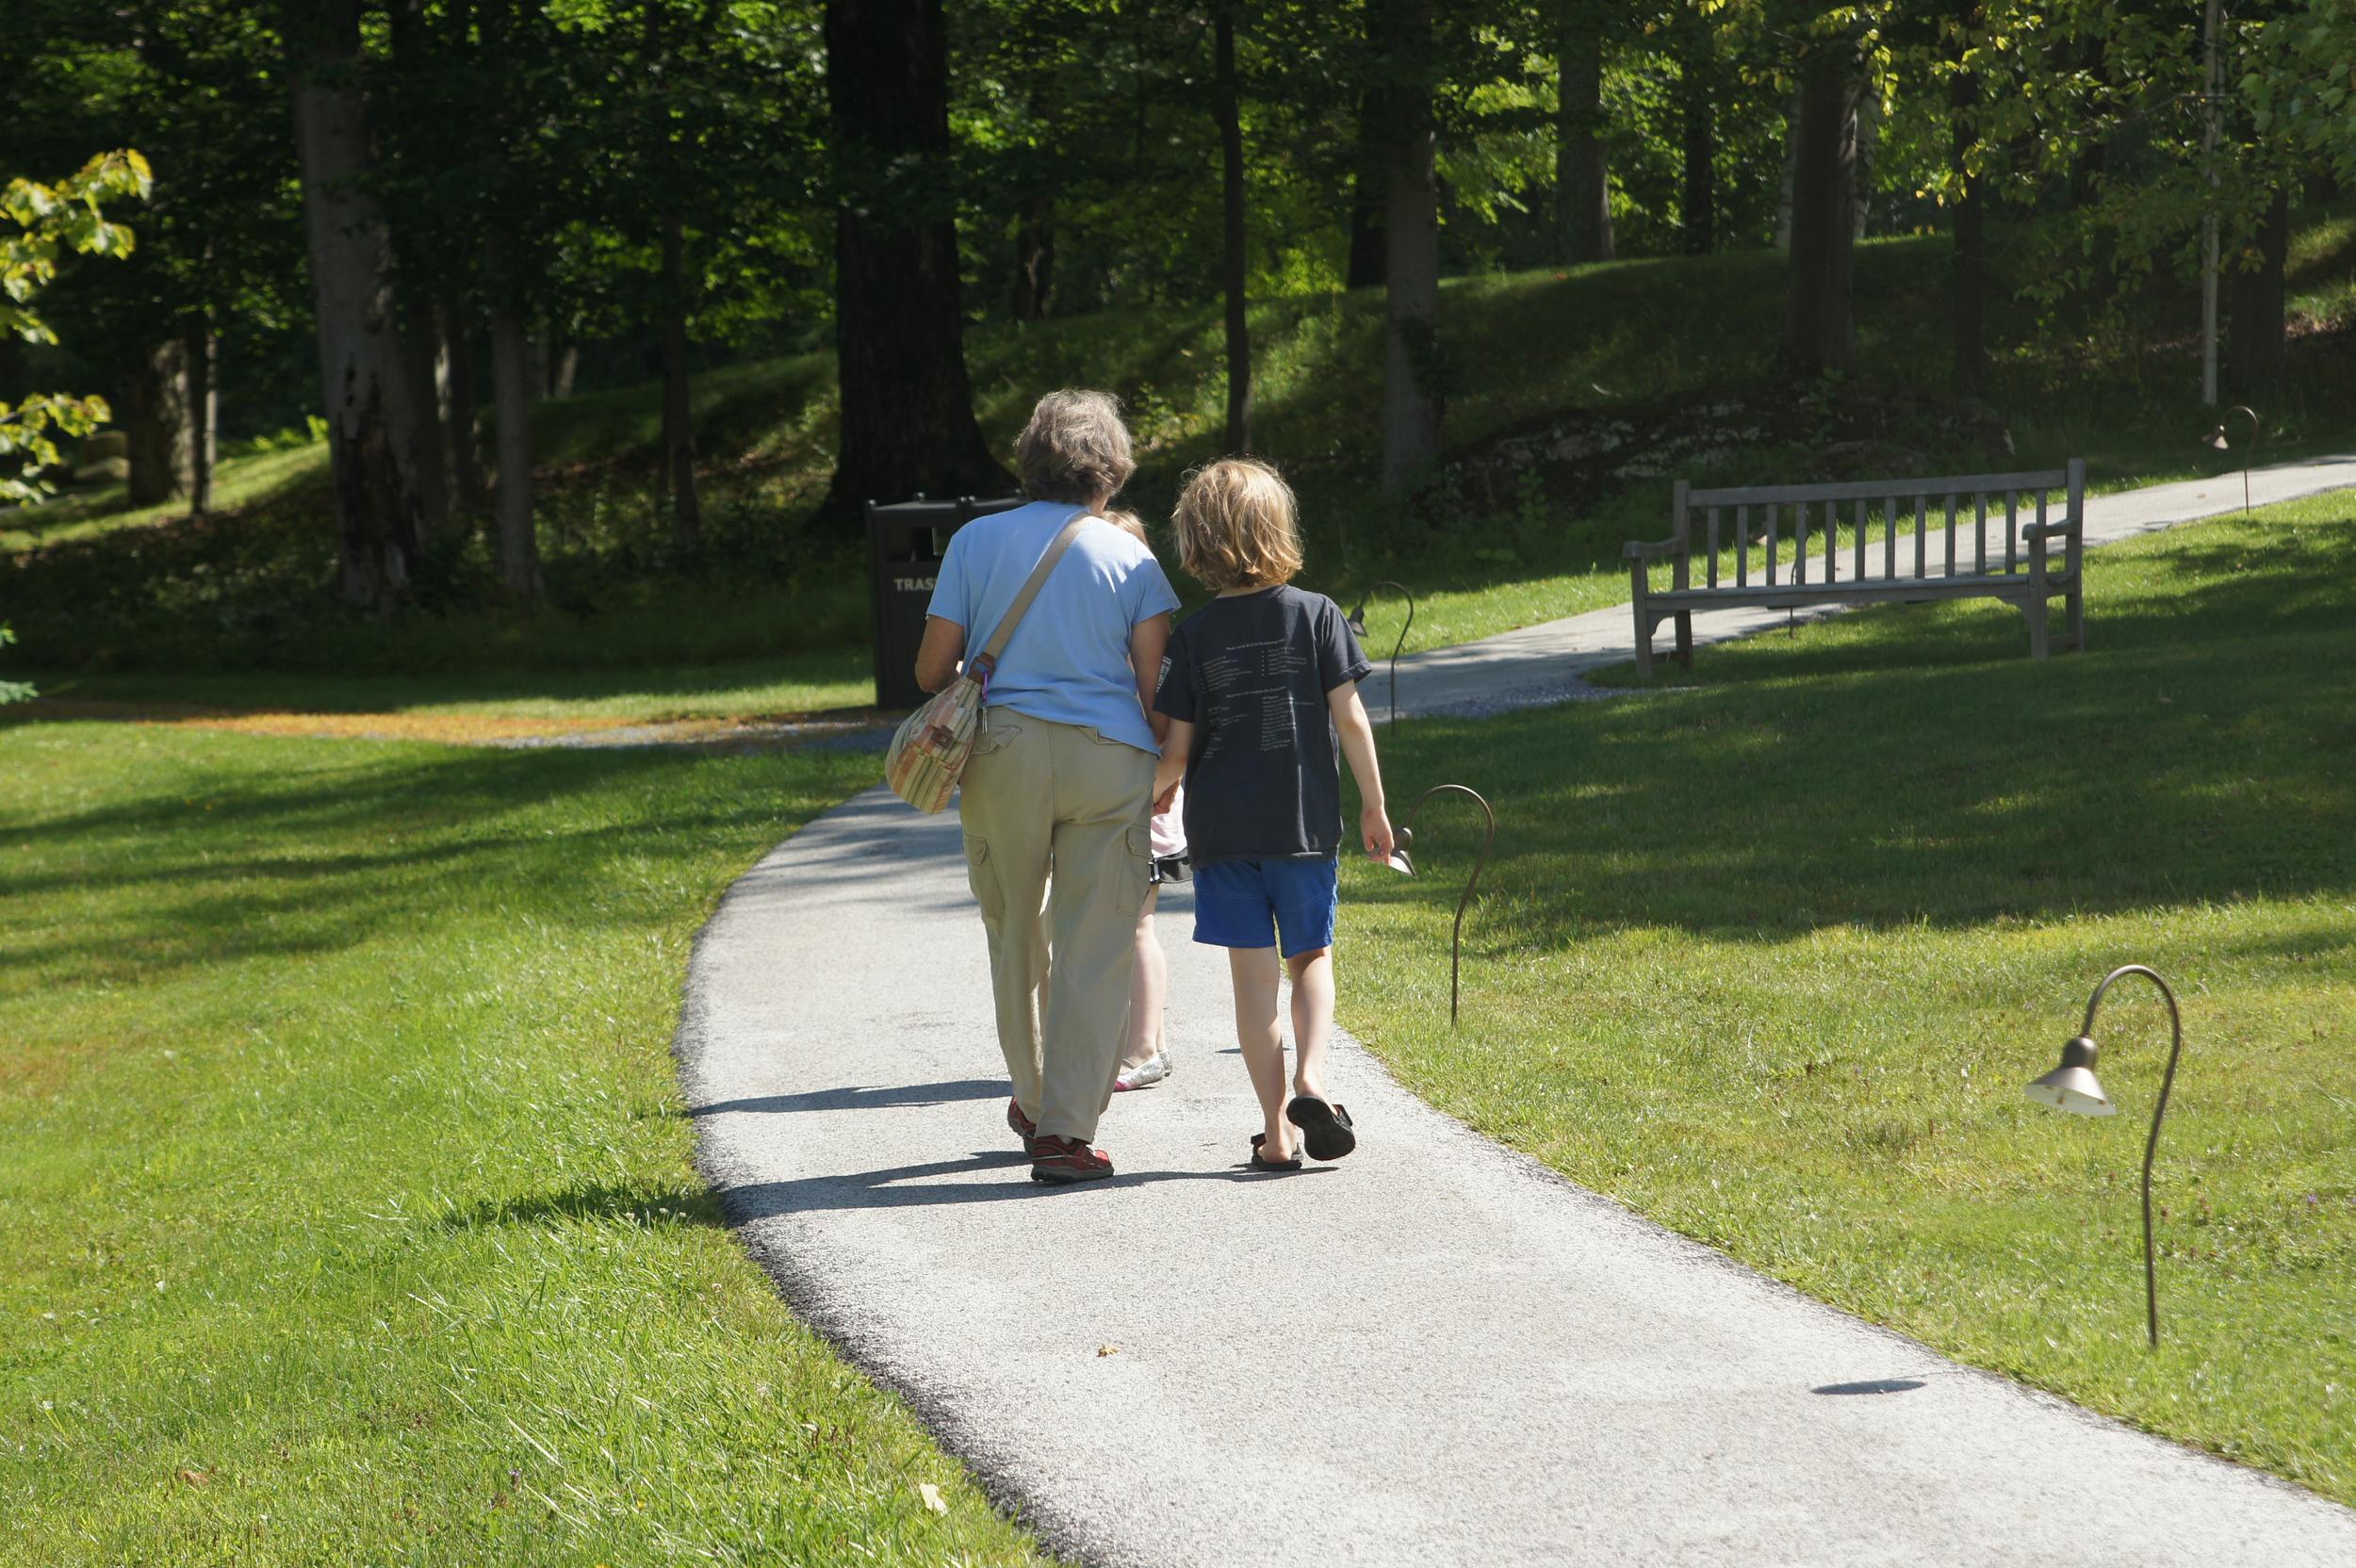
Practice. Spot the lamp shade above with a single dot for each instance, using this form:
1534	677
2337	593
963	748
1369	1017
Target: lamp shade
1356	620
2217	439
2073	1087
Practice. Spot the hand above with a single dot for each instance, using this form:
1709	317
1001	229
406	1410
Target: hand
1161	802
1374	826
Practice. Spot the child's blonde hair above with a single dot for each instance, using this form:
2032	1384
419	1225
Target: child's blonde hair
1129	523
1237	525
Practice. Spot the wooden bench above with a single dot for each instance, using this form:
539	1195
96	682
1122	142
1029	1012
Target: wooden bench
1824	567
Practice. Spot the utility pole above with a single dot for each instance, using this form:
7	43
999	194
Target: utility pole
2211	102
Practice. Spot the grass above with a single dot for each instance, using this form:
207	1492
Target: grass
1627	348
820	681
1771	956
345	1193
238	482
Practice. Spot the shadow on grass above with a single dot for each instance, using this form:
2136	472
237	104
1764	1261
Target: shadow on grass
600	1204
343	842
1919	769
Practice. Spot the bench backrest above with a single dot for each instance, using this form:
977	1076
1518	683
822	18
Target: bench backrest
1728	518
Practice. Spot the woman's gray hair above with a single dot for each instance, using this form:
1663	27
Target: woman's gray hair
1075	449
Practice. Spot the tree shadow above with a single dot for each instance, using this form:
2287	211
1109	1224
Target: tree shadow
1919	774
860	1098
628	1203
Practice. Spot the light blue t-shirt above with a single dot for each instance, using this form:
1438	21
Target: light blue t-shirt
1068	663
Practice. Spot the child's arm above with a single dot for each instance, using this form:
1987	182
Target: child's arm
1177	747
1357	733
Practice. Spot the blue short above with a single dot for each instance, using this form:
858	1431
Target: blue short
1245	903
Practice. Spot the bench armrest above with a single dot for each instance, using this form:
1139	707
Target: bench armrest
2049	530
1661	550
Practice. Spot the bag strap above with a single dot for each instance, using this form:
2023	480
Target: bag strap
988	660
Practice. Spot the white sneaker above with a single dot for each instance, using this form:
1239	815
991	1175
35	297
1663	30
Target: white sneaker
1145	1074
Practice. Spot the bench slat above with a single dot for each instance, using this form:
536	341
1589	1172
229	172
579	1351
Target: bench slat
1771	544
1859	570
1799	548
1890	537
1922	546
1979	532
1713	547
1957	484
1871	591
2012	531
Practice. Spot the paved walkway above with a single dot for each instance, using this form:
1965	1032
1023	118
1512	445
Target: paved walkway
1433	1351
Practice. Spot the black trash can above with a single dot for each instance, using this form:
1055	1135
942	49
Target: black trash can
906	541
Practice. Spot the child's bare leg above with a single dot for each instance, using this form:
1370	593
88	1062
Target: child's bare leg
1149	986
1255	973
1313	1017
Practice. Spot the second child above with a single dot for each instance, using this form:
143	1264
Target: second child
1262	693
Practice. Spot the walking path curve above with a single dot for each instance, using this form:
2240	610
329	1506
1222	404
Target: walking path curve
1433	1351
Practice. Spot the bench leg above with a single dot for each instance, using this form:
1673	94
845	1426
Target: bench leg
1644	644
2040	642
1685	638
2078	617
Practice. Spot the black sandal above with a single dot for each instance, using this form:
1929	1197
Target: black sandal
1325	1130
1259	1163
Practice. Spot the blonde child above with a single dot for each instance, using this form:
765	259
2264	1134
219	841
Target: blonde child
1261	690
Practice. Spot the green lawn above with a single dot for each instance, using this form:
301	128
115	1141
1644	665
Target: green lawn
815	683
1771	958
345	1192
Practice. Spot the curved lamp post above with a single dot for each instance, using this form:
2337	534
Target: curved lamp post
2216	440
1357	621
2073	1087
1400	858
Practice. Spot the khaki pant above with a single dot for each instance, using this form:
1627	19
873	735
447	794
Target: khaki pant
1056	815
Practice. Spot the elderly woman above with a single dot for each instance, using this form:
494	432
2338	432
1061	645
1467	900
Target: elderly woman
1061	775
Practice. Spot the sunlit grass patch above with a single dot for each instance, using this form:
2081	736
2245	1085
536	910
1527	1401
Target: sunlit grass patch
345	1188
1771	958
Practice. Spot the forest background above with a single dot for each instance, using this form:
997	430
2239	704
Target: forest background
399	227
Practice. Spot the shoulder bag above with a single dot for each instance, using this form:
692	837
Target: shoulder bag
928	754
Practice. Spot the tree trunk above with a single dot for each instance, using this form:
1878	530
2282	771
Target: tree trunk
907	402
1033	257
679	429
370	421
2253	366
1582	191
421	350
1866	119
1697	113
157	424
204	355
511	402
1412	369
1969	293
564	371
1365	199
1791	170
458	411
1820	327
1229	94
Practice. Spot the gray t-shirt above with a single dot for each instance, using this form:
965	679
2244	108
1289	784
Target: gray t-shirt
1251	673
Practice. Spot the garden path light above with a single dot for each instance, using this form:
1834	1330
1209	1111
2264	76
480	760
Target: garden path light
2073	1087
2216	439
1357	622
1406	836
